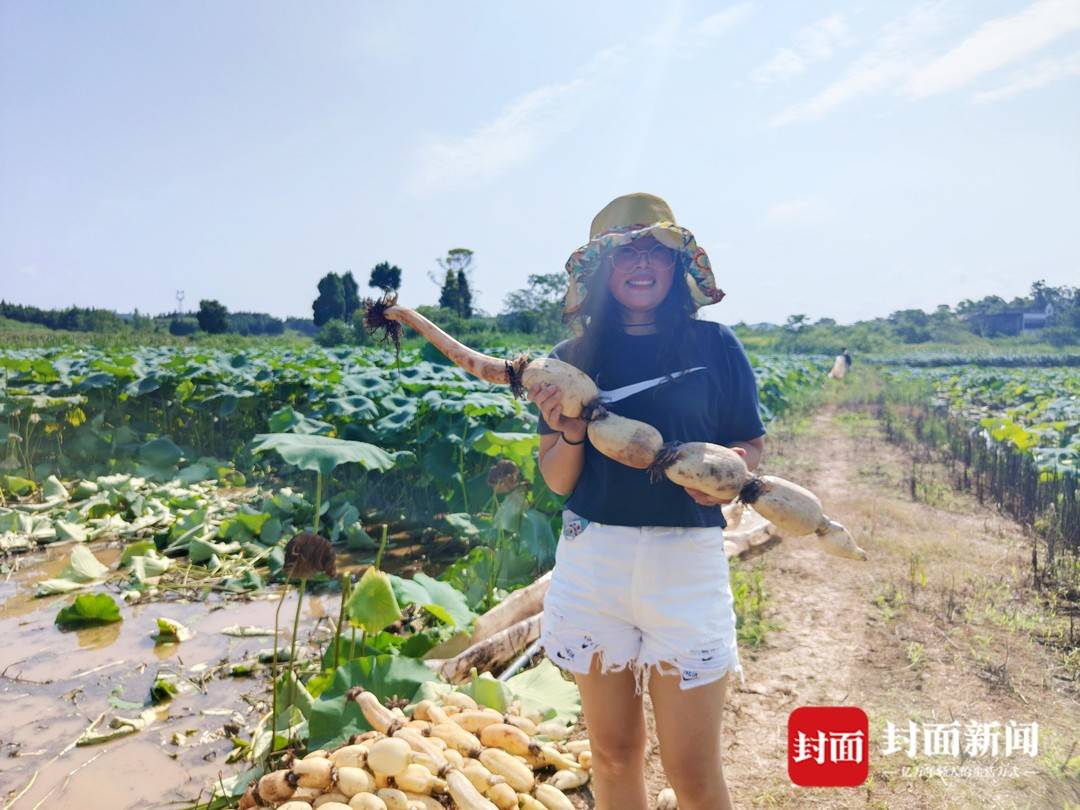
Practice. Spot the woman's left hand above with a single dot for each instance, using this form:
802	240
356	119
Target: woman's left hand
704	499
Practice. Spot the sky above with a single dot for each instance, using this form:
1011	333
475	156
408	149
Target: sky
840	159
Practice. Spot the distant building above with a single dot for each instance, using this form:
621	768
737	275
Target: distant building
1037	320
1011	321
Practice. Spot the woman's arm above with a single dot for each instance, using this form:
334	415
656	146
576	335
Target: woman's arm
755	449
560	463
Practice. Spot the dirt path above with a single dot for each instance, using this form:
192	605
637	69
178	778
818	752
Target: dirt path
936	627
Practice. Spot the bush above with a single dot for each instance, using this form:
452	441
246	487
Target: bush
305	326
181	327
519	321
449	321
1059	336
73	319
360	336
333	333
213	317
255	323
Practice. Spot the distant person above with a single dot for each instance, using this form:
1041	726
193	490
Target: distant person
840	365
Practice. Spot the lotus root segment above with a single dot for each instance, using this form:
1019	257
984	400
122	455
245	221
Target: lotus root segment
794	510
492	369
836	540
627	441
578	390
715	470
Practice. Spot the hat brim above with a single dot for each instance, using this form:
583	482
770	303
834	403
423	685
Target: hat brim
586	259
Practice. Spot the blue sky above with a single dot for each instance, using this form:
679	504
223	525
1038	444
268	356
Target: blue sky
841	159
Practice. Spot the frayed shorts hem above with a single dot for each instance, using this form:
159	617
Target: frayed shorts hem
579	662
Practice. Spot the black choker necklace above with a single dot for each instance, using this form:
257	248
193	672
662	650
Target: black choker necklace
639	324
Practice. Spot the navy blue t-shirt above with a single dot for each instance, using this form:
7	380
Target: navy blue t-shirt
715	400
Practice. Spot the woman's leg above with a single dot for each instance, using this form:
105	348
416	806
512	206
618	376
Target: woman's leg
615	718
688	728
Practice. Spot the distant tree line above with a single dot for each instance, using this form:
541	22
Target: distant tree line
73	319
1046	314
213	318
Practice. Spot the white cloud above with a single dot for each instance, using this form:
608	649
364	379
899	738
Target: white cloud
520	130
899	60
815	43
996	43
1038	75
533	121
716	25
891	58
799	211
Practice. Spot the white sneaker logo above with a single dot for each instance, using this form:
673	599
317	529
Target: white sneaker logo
615	394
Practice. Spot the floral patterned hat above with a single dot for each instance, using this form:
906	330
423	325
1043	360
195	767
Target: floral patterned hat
625	219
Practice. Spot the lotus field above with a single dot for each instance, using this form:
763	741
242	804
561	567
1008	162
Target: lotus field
1016	431
1032	410
178	489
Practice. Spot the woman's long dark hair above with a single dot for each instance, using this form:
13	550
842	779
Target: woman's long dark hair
600	320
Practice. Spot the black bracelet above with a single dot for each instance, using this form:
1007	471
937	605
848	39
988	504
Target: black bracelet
570	442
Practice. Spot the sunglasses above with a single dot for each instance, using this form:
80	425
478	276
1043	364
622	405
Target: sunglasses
625	258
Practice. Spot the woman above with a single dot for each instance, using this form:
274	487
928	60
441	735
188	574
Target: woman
640	592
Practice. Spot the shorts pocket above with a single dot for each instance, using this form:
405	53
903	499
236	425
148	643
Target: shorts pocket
575	526
706	538
574	553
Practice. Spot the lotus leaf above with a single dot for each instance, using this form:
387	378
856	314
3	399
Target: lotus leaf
322	454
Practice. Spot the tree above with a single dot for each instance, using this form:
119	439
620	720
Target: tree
255	323
385	276
911	325
350	290
795	322
448	295
183	326
456	290
464	296
331	301
538	307
1060	298
212	316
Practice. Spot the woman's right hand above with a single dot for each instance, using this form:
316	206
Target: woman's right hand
548	399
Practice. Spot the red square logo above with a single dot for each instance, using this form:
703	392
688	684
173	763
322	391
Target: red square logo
828	746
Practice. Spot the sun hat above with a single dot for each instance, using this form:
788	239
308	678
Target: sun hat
620	222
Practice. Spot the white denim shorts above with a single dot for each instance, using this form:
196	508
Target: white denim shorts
641	596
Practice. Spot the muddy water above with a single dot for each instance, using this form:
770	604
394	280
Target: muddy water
55	683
